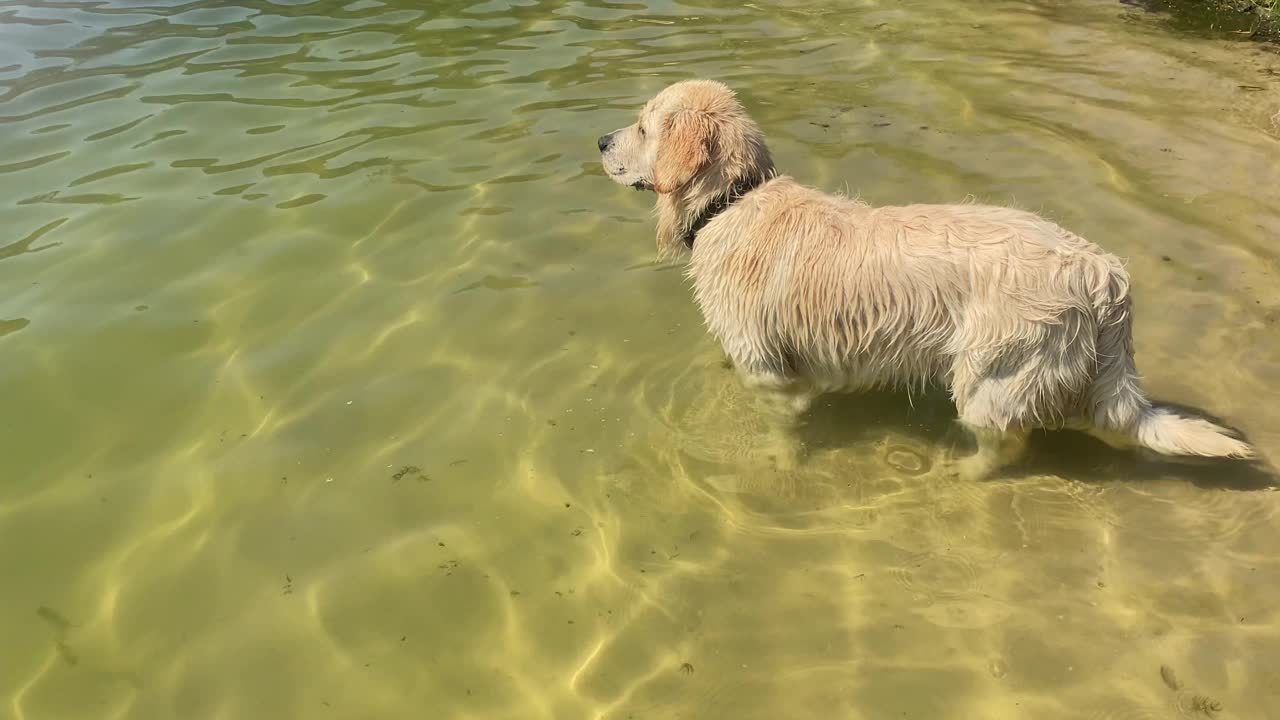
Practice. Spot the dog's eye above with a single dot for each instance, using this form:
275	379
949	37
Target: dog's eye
641	128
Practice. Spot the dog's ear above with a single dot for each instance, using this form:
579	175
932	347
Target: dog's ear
686	146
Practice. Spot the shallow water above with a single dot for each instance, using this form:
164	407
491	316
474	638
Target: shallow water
339	382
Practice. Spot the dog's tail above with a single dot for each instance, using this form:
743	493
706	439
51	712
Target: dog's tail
1169	433
1120	406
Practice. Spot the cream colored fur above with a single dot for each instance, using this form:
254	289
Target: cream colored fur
1027	324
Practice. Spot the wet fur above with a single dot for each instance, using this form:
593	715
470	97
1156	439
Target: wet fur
1027	324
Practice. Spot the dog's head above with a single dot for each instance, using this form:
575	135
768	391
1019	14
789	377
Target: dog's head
693	139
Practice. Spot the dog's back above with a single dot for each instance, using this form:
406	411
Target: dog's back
794	280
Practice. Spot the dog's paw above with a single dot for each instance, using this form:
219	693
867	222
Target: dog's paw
966	469
950	471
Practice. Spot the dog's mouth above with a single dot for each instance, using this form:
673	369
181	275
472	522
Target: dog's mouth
625	177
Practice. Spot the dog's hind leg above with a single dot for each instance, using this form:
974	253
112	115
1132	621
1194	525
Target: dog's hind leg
1004	392
996	449
1000	412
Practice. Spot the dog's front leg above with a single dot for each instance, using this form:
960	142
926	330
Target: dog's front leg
782	401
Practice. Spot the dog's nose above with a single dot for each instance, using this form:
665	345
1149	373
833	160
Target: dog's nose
604	142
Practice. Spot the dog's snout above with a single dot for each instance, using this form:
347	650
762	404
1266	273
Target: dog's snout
604	142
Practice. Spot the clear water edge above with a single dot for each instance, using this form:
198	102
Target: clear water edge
338	382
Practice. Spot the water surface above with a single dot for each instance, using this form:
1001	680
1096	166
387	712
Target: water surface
338	382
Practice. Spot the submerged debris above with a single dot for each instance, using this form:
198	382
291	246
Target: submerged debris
1170	679
410	470
1205	704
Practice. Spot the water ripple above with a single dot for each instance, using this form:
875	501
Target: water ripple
340	382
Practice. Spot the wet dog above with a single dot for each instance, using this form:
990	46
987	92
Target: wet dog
1027	324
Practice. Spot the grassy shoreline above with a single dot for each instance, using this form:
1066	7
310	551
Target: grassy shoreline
1252	19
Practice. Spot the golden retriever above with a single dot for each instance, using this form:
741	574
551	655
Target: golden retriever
1027	324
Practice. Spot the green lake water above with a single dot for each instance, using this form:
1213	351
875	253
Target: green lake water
336	380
